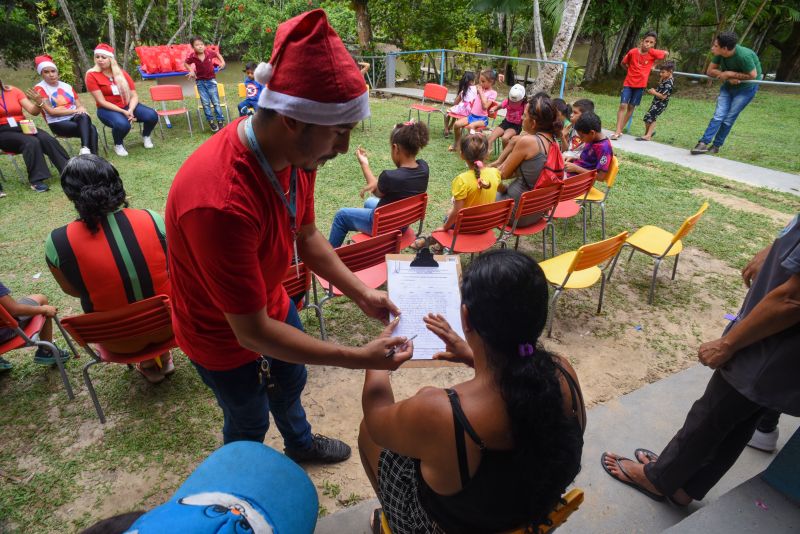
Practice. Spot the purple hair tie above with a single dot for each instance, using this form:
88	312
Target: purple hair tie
526	349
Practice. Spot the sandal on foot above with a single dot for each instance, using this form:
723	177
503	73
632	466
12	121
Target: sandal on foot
419	243
614	137
375	521
642	139
629	481
647	454
451	148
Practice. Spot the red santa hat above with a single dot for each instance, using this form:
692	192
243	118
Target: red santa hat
104	50
42	62
311	76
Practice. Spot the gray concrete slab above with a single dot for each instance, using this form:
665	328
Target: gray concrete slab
718	166
750	507
648	417
411	92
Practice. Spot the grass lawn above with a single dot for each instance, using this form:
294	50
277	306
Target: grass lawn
59	465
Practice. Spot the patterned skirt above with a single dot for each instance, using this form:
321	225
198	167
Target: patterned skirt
397	491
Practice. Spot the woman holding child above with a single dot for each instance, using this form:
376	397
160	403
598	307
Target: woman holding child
491	454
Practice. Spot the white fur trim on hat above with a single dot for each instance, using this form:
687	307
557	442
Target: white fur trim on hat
43	65
313	112
263	73
103	52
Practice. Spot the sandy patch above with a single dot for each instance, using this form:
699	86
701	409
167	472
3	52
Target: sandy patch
741	204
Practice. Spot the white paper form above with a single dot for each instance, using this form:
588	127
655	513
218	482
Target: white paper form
418	291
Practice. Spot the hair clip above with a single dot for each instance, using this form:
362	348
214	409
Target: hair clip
478	163
409	123
526	349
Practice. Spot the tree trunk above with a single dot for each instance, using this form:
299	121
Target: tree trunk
112	34
363	23
181	23
596	62
753	20
577	29
789	64
541	49
84	59
184	23
613	59
548	75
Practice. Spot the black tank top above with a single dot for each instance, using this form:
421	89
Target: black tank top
495	498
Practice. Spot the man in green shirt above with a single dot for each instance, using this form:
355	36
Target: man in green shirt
736	65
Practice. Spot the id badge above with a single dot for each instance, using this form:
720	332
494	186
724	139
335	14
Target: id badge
12	122
114	89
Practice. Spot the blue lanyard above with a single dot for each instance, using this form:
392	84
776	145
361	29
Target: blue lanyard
291	203
3	94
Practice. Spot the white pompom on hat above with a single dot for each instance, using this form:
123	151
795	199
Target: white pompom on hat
312	77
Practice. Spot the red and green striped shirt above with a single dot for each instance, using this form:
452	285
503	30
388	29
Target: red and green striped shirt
124	262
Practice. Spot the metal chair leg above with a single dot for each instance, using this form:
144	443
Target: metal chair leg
552	314
631	255
653	281
614	263
553	240
583	211
675	266
602	290
60	363
19	172
92	393
160	129
603	218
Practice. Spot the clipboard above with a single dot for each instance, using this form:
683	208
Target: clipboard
455	322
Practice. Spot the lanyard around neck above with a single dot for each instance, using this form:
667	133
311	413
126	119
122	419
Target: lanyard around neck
291	202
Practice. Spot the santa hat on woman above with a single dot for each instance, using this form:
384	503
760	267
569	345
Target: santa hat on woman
42	62
104	50
311	76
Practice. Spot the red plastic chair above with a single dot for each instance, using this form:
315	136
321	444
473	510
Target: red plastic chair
494	108
28	337
138	322
474	228
542	200
434	93
396	216
573	195
296	285
169	93
367	260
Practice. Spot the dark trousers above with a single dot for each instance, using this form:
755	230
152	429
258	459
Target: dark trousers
716	430
33	149
769	421
120	125
246	406
79	125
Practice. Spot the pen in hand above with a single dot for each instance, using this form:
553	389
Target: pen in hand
404	345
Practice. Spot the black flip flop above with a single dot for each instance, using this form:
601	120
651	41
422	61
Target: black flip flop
375	524
650	455
629	482
642	139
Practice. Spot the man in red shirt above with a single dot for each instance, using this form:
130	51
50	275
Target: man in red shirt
236	210
638	62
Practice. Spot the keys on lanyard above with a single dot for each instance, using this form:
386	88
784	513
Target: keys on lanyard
291	203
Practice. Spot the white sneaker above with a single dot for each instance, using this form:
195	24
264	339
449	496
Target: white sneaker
764	441
84	150
148	143
120	150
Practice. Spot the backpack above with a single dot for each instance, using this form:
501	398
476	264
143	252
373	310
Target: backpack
553	170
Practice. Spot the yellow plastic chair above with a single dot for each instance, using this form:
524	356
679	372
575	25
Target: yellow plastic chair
242	90
580	269
223	103
599	195
569	504
660	244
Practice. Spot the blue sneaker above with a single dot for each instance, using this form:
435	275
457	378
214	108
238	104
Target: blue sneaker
40	188
5	365
43	356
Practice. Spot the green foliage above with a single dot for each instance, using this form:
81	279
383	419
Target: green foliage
342	18
55	41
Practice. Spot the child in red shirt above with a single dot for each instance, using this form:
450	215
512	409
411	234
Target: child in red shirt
200	64
638	62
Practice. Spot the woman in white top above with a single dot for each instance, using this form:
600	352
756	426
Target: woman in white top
62	109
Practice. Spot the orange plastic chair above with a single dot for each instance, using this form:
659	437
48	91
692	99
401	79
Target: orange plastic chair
575	190
434	93
543	200
398	215
599	196
297	285
474	228
169	93
659	244
366	260
136	322
28	337
580	269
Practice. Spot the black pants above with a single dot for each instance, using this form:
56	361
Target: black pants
716	431
79	125
769	421
33	148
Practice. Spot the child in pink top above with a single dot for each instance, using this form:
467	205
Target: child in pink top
512	124
479	114
463	104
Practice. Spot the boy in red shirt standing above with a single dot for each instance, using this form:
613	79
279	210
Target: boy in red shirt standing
200	64
638	62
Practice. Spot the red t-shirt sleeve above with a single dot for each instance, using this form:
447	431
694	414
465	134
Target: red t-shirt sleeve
627	58
91	83
658	54
308	214
129	80
226	259
40	91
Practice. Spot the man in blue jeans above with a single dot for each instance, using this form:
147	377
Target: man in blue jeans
735	65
